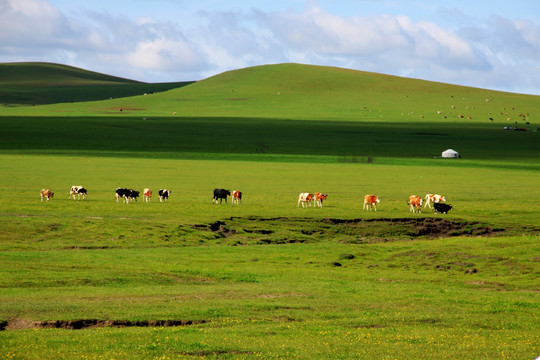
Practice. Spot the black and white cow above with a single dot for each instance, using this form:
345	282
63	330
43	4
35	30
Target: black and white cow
442	207
127	194
77	190
164	194
220	194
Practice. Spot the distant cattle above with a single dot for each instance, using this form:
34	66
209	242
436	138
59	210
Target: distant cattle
127	194
77	190
442	208
415	203
164	194
220	194
370	202
433	198
46	194
305	199
147	195
237	197
319	197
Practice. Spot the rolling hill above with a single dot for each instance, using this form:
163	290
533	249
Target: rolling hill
288	109
296	91
47	83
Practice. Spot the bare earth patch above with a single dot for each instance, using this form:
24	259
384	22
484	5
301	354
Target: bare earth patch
20	324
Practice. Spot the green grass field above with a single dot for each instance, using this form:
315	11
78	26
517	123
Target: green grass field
26	84
187	279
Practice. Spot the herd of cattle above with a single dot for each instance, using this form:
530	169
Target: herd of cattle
306	199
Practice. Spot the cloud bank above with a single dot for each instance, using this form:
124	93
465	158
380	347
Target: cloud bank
494	52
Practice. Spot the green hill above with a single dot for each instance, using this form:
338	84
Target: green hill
288	109
295	91
46	83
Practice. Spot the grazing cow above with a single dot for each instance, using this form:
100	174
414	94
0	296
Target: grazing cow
305	198
127	194
236	197
147	195
82	192
433	198
370	202
77	190
164	194
415	203
442	208
319	197
46	194
220	194
133	195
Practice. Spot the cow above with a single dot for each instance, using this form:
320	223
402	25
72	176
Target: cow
77	190
220	194
415	203
433	198
46	194
236	197
83	192
319	197
370	202
305	198
127	194
147	195
133	195
442	208
164	194
124	193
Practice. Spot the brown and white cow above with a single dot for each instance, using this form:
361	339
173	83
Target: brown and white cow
305	199
319	197
147	195
370	202
415	203
236	197
433	198
46	194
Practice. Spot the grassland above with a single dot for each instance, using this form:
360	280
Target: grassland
46	83
267	279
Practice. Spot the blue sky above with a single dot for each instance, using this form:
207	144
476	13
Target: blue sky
491	44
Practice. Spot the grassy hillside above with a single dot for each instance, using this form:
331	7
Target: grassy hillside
294	91
45	83
288	109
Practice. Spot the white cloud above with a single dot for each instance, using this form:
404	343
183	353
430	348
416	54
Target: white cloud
494	52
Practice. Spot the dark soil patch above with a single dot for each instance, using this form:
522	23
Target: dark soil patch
416	227
19	324
281	230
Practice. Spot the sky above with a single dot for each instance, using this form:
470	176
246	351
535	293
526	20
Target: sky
492	44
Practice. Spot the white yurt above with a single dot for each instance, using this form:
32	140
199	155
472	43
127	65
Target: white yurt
450	154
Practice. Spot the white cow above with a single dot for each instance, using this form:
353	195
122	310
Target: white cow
433	198
306	199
